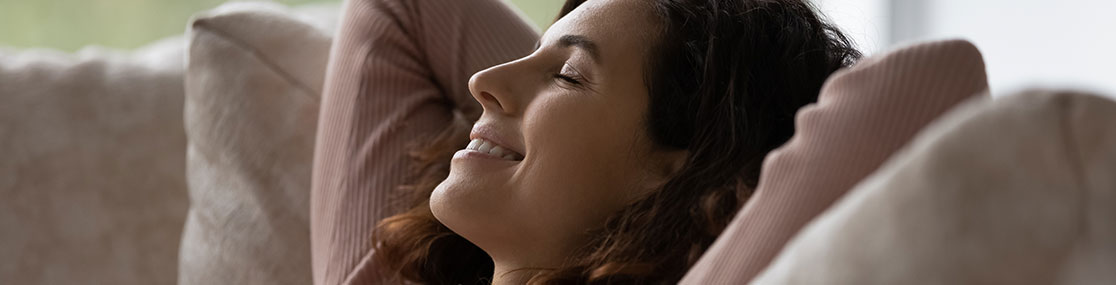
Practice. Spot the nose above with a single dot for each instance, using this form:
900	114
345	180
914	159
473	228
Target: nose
493	88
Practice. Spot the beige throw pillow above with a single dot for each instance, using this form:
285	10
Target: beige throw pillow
92	189
1018	190
253	77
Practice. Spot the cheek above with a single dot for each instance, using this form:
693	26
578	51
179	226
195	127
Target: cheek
582	166
578	137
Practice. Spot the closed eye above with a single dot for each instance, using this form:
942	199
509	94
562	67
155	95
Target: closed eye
570	75
567	78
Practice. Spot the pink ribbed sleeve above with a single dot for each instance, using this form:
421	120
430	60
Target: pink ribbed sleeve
397	70
863	115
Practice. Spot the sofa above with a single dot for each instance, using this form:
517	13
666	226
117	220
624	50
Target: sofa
119	169
189	160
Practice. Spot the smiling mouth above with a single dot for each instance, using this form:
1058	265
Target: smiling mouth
484	146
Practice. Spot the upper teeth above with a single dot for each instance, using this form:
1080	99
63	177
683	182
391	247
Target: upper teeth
485	146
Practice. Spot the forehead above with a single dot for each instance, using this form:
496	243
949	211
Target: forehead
620	28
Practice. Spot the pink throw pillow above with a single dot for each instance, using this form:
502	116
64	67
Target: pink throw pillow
863	115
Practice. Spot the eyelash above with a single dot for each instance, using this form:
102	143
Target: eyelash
568	79
574	79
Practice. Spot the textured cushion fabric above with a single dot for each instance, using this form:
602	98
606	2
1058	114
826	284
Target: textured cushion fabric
92	189
253	76
863	115
1019	190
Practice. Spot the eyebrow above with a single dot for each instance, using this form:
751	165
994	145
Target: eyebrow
582	43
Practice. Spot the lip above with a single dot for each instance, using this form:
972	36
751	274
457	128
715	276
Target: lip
488	133
468	153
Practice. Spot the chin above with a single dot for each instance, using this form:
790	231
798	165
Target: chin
441	204
455	203
473	210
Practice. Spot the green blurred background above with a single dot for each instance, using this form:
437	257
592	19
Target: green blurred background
70	24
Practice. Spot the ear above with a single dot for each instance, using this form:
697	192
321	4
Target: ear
663	165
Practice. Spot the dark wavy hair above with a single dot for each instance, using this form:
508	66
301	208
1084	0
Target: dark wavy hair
725	79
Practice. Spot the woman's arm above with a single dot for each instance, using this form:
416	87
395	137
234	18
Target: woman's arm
397	70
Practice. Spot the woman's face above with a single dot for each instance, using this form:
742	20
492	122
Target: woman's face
567	123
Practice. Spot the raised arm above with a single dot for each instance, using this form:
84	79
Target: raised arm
397	70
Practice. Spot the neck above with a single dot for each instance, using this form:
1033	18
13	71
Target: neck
507	274
519	268
515	265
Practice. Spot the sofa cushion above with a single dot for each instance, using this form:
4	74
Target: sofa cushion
253	77
1017	190
92	184
863	115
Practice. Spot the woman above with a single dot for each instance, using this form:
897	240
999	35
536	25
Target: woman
615	152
